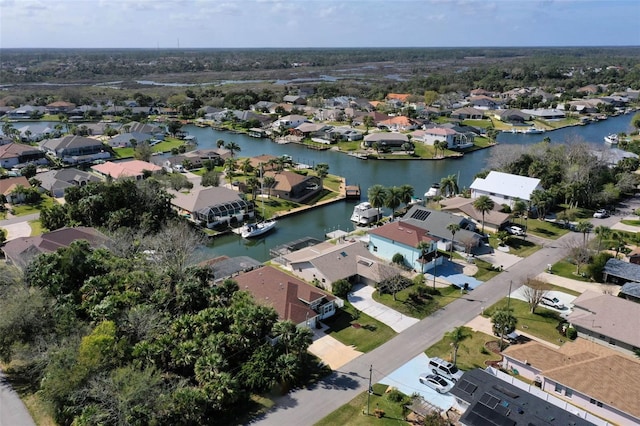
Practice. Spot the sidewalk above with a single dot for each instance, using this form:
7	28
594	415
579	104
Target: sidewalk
362	299
575	285
17	230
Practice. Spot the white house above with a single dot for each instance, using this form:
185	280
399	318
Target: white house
289	121
504	188
455	140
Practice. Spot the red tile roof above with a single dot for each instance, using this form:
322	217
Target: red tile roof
403	233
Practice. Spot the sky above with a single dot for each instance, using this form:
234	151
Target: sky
315	23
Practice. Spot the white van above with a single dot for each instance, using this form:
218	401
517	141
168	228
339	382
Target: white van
445	369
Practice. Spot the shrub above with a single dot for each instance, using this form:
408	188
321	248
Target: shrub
572	333
395	396
341	288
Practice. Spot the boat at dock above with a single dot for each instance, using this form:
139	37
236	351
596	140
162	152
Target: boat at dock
611	139
251	230
432	192
365	214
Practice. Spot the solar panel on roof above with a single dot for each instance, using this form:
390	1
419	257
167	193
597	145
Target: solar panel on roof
420	214
489	400
467	387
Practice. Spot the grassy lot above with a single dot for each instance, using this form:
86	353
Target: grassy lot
354	412
332	182
165	146
470	353
36	227
517	245
275	205
566	269
477	123
631	222
486	270
124	152
421	309
542	324
25	209
545	229
349	146
367	335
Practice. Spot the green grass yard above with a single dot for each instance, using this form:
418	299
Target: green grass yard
25	209
470	352
354	328
406	306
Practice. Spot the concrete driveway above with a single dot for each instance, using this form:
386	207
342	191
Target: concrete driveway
566	299
332	352
500	258
405	379
362	299
17	230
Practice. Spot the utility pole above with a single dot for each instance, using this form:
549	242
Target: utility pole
370	388
435	262
508	310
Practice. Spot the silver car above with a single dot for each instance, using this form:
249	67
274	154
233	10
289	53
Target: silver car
435	382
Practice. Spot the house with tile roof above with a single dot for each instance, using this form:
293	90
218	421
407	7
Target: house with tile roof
400	237
327	263
402	97
133	169
493	219
293	299
124	140
293	186
491	398
212	206
54	182
20	251
59	107
505	188
584	374
607	320
514	116
398	124
454	139
15	154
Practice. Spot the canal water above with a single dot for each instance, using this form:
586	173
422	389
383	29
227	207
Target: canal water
419	173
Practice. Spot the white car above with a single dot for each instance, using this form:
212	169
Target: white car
601	214
553	302
435	382
515	230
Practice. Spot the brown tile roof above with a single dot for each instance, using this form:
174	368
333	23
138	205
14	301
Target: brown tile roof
288	295
286	180
399	96
125	169
8	185
588	368
403	233
13	150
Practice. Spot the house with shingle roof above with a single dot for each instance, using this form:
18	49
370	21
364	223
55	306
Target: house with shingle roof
212	206
630	291
511	116
14	154
124	140
389	140
505	188
293	299
584	374
607	320
7	186
328	263
618	271
454	139
400	237
493	219
398	124
54	182
289	121
293	186
20	251
467	113
75	149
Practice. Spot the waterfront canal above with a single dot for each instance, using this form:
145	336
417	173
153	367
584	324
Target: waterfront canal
418	173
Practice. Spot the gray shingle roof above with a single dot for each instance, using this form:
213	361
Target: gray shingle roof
624	270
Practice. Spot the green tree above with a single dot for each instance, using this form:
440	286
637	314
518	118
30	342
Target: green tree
322	170
406	193
377	195
393	198
173	127
253	184
29	170
503	322
584	227
456	337
368	122
341	288
232	147
449	185
210	178
453	228
54	217
143	151
602	232
483	204
269	182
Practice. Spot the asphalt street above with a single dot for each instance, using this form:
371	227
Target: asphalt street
308	405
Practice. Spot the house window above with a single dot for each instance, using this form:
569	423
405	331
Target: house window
558	388
595	402
568	392
324	281
375	248
492	193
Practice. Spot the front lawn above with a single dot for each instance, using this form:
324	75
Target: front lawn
546	229
542	324
25	209
354	413
471	351
486	270
418	307
631	222
518	246
567	269
36	227
354	328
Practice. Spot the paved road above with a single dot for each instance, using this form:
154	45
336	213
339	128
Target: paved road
307	406
18	219
12	410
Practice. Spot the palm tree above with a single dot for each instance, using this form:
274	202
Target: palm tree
504	322
322	169
393	199
406	193
449	185
230	166
443	146
424	247
436	147
220	143
602	232
455	337
453	228
541	199
253	183
585	227
233	147
491	134
368	122
269	182
377	196
519	207
246	166
483	204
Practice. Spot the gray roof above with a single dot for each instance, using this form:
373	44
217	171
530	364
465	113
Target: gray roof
386	136
199	200
631	289
435	222
69	141
621	269
226	268
125	138
493	401
63	178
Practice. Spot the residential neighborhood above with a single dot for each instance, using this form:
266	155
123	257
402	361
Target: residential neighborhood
209	246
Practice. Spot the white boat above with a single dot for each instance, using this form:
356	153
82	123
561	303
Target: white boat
255	229
534	131
365	214
434	191
611	139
